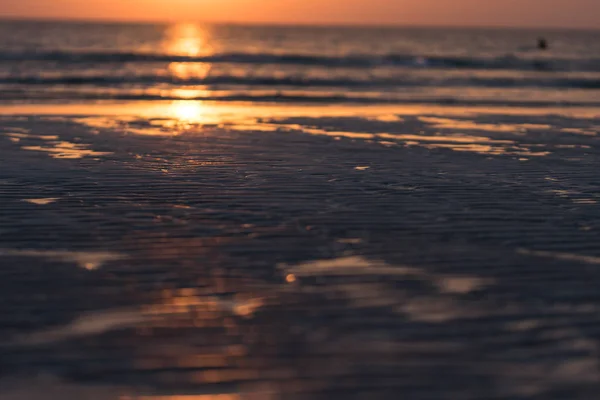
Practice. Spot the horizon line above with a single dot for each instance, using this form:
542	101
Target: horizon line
321	24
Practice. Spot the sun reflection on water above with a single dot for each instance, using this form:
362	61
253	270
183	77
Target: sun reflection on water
187	70
189	40
188	111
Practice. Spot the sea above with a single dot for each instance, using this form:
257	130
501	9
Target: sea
71	62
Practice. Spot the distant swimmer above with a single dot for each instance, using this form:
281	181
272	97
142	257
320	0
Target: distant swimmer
542	44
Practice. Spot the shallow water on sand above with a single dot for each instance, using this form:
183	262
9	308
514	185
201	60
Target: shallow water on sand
215	253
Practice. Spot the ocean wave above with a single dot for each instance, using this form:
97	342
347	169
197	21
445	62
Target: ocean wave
508	62
304	82
12	96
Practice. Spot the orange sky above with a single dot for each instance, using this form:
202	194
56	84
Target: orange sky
534	13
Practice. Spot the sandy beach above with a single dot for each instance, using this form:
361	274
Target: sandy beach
317	253
210	211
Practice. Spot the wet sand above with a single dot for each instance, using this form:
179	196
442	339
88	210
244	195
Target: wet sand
430	254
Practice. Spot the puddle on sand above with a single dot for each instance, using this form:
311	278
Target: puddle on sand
192	301
347	266
452	141
190	305
361	266
89	324
482	149
439	307
200	119
30	136
67	150
460	124
43	201
580	131
561	256
17	137
386	118
53	145
575	196
89	260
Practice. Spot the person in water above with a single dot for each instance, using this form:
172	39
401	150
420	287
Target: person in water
542	44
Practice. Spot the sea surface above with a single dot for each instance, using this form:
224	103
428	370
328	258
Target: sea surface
76	61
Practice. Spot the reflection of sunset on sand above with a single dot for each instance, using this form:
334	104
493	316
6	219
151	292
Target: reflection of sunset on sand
189	111
185	274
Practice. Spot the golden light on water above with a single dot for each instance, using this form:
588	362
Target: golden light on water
186	70
189	40
188	111
188	94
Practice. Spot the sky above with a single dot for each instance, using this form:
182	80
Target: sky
523	13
